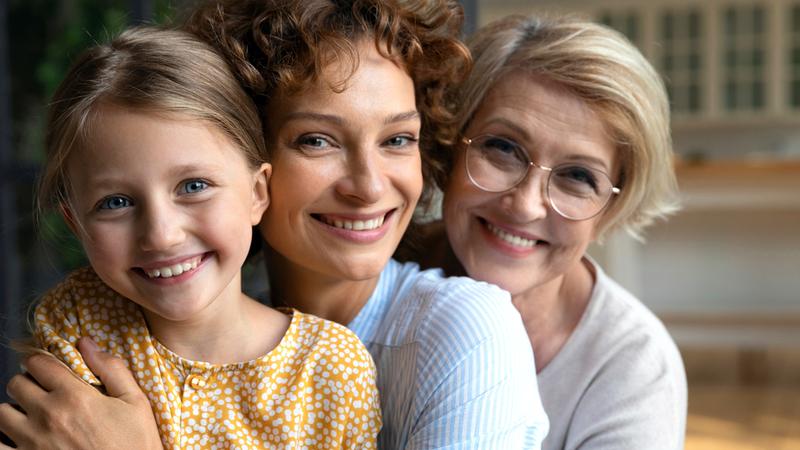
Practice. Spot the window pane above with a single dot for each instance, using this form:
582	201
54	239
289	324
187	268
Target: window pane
744	57
680	36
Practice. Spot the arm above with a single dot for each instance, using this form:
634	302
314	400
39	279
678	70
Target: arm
637	401
485	395
61	411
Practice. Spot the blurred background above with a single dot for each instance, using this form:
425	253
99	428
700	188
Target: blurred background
723	273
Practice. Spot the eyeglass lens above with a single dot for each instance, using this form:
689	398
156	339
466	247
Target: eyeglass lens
497	164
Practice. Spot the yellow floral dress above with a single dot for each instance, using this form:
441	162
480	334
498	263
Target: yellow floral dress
315	390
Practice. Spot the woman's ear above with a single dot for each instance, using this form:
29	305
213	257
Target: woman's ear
260	193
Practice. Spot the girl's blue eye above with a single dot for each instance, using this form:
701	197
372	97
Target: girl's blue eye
114	202
194	186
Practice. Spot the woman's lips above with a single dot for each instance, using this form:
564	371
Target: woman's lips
364	229
509	240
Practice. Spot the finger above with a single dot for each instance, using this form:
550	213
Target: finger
49	372
26	392
12	423
116	377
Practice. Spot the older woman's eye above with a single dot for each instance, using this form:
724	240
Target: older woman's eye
501	153
498	144
113	202
194	186
577	180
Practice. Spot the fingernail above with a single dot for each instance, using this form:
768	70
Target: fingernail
90	342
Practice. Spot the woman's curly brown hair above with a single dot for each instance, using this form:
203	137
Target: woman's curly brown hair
283	45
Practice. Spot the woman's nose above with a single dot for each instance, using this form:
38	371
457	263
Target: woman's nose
364	179
528	200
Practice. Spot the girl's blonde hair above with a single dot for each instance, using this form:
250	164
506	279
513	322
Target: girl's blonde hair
604	70
147	69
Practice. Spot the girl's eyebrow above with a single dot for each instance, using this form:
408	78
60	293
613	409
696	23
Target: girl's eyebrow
111	181
194	168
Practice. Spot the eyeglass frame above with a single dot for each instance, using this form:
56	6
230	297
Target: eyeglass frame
468	142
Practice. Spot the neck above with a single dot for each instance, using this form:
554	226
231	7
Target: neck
315	293
235	330
552	311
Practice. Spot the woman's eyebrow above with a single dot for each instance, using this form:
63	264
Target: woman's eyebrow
402	117
306	115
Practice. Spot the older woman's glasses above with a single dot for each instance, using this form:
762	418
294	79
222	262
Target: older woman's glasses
576	192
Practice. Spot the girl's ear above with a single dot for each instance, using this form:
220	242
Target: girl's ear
69	218
260	193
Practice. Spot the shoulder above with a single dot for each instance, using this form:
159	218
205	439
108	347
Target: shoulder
322	338
635	330
457	306
619	379
458	321
82	295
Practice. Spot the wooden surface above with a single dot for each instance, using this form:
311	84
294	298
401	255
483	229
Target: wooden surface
743	418
726	414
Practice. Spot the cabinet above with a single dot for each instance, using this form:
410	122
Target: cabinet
725	270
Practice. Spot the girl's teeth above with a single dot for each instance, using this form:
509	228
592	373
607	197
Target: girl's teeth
173	270
510	238
356	225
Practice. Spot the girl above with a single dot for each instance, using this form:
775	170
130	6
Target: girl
155	158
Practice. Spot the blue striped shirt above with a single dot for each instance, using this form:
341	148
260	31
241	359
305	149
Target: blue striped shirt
455	368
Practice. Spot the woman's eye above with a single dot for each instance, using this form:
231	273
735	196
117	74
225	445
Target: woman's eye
400	141
496	144
500	152
578	176
313	142
114	202
194	186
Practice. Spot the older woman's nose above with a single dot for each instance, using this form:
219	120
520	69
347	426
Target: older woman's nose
528	200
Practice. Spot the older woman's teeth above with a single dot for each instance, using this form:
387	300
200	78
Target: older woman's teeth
355	225
173	270
510	238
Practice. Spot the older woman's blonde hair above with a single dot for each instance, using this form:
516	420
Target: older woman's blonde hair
603	69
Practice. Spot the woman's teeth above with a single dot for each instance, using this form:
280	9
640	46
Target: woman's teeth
510	238
355	225
173	270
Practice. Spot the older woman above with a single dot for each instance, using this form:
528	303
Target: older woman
345	88
564	137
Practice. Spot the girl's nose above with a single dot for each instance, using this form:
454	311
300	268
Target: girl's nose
161	227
